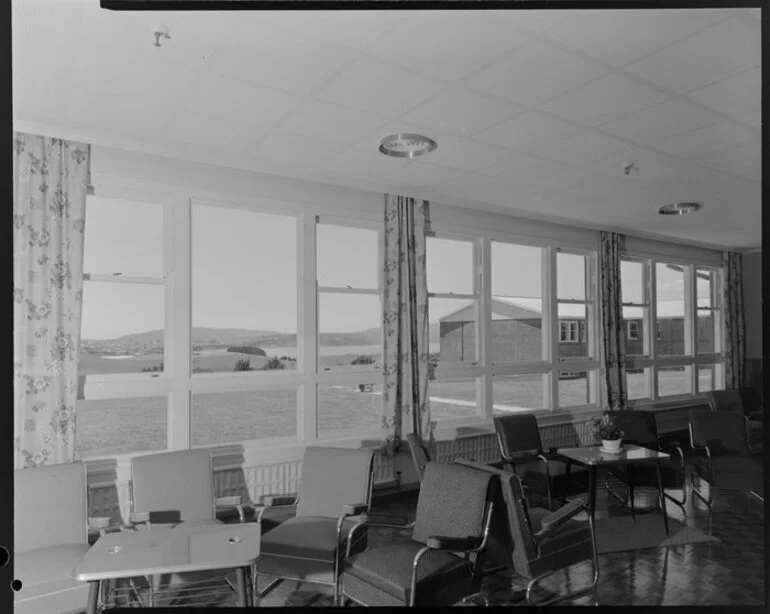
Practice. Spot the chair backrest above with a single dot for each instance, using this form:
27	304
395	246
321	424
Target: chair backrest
518	434
752	399
639	427
179	480
50	506
419	452
726	400
333	477
453	502
724	432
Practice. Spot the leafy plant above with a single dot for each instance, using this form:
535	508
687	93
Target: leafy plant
153	368
242	364
363	360
606	428
273	363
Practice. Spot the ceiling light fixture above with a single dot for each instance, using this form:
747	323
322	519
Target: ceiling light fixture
680	208
406	145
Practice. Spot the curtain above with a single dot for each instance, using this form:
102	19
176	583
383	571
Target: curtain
50	179
612	329
735	348
405	323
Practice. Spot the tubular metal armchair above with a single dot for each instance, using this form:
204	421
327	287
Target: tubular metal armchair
336	485
453	514
178	486
521	451
640	428
539	542
733	401
722	459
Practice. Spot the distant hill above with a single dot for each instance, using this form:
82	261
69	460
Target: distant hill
218	337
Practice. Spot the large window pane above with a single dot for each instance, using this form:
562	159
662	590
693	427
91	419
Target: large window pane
575	389
347	257
517	306
244	289
349	331
121	426
122	328
706	331
452	324
633	322
638	384
570	276
449	265
227	417
632	282
673	381
518	393
670	309
574	330
123	237
452	399
349	408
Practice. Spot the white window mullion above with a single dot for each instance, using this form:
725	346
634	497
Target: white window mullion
552	330
307	327
178	338
651	327
483	289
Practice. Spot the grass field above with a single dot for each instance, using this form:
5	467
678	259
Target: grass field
115	426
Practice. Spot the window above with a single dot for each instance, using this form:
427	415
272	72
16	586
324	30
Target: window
568	331
684	357
633	330
244	291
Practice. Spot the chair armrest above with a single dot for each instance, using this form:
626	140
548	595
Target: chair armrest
155	517
670	447
385	520
454	544
274	501
354	509
232	502
555	520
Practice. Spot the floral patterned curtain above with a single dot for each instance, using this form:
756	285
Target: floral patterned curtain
405	323
611	313
735	348
50	179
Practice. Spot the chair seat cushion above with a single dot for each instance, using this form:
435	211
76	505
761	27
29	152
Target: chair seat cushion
389	569
305	537
48	570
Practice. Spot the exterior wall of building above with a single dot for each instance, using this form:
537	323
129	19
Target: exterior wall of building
671	339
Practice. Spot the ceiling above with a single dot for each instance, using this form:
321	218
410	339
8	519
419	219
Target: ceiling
535	112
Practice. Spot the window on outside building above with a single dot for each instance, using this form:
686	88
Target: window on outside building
633	331
568	332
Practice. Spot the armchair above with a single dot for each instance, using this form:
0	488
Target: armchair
540	542
336	486
50	536
722	459
733	401
640	428
521	451
453	515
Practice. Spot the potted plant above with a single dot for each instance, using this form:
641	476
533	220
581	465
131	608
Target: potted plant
609	432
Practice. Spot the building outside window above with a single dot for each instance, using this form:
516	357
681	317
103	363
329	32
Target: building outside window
633	331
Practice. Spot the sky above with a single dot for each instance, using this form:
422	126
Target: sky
244	271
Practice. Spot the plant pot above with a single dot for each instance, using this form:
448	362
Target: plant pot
611	445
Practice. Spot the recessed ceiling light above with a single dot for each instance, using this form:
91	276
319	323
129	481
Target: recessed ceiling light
406	145
680	208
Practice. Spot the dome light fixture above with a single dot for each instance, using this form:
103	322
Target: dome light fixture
406	145
680	208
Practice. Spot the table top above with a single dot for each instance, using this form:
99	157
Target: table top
179	549
629	453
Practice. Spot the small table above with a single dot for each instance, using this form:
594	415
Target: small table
593	456
185	548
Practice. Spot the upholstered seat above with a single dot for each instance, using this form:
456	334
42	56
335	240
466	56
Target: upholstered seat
50	537
307	537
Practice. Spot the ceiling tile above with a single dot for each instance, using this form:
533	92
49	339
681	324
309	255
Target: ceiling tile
525	169
582	149
430	42
348	28
706	57
536	21
737	96
368	85
227	98
211	133
285	147
330	123
279	58
707	140
650	167
603	100
753	119
534	72
528	131
619	37
356	162
466	155
744	160
415	172
460	111
660	122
